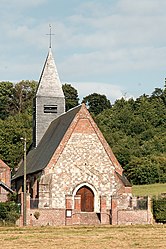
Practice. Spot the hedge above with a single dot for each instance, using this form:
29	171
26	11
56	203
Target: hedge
159	209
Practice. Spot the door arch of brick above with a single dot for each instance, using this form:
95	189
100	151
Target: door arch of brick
87	199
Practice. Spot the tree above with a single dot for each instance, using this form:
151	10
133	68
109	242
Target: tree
11	131
136	132
142	171
157	93
96	103
16	98
71	96
135	129
23	95
6	96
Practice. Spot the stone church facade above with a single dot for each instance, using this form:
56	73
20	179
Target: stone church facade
73	177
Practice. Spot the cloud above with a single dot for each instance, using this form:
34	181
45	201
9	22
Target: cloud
128	38
141	7
111	91
100	63
94	42
9	69
21	4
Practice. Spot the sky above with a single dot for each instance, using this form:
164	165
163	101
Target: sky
111	47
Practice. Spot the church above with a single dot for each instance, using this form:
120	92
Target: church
5	181
73	177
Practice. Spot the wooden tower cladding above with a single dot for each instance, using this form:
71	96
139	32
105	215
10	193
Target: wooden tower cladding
49	102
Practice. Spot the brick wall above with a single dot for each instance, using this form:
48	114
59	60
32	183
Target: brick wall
5	177
42	217
133	217
124	211
51	217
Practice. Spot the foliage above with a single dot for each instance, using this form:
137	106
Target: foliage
12	197
9	212
71	96
23	95
6	93
136	131
15	119
147	170
11	131
16	98
159	209
96	103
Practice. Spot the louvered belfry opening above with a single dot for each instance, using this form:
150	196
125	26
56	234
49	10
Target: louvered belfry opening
87	199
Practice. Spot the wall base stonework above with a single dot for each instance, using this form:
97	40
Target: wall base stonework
129	217
55	217
47	217
121	212
126	212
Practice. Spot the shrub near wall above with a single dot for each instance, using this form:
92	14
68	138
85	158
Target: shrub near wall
159	209
9	212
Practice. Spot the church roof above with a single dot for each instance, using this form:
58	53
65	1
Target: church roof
49	83
39	157
124	180
7	188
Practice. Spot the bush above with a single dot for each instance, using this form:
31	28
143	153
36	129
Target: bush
159	209
9	212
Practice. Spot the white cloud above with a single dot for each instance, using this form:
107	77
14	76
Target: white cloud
141	7
97	64
111	91
93	42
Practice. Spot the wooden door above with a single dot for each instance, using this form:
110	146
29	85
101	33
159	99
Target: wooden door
87	199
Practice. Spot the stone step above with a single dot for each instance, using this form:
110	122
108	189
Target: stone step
89	218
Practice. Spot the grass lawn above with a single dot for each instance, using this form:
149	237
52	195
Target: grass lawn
150	190
145	236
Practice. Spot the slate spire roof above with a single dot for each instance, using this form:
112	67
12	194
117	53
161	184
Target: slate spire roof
49	82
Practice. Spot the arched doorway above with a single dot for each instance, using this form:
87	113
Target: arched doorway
87	199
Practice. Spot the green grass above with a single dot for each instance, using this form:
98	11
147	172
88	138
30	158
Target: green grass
150	190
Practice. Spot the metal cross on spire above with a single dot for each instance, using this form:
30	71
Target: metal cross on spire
50	34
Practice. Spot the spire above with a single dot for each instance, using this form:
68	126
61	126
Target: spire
49	83
49	102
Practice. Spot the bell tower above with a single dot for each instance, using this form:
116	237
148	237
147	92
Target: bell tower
49	101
